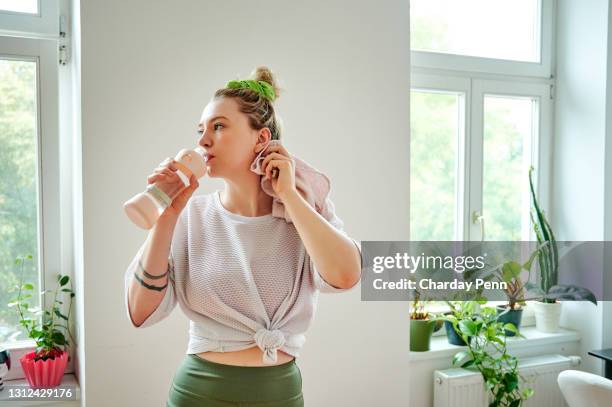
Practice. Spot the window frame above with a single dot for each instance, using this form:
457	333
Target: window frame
428	82
466	63
45	54
542	162
44	25
476	77
470	160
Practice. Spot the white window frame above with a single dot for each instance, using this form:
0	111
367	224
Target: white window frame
42	48
539	159
469	182
474	77
541	69
453	84
44	25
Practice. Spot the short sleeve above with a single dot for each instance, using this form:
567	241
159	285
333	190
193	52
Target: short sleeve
169	301
329	213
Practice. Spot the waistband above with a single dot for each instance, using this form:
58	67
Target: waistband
198	379
230	370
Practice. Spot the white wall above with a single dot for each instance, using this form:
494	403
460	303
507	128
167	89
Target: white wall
579	205
148	69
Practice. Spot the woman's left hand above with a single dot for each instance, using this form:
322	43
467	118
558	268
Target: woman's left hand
278	157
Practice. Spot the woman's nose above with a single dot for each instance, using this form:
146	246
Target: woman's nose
205	140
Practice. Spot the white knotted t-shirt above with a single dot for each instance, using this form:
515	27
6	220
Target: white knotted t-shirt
242	281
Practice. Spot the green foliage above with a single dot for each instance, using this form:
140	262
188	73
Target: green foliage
18	184
487	352
432	175
548	258
49	335
434	134
510	273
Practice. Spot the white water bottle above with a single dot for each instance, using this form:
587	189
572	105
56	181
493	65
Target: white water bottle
145	208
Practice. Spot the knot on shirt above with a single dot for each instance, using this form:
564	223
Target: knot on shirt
269	342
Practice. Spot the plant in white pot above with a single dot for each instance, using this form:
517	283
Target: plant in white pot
45	366
548	309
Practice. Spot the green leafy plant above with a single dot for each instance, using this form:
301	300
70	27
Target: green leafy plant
461	310
510	273
515	290
49	335
548	287
487	352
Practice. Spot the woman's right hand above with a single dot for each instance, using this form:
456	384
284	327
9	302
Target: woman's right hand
166	171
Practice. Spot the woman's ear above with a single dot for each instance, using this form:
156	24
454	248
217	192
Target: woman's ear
263	138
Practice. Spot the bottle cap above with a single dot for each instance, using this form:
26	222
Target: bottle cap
194	160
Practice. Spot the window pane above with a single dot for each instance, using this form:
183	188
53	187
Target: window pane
509	128
18	189
502	29
20	6
434	132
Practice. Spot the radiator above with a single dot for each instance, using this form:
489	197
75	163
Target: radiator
465	388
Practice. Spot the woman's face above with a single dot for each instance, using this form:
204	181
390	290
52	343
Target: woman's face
228	138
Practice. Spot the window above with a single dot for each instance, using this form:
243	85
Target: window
20	6
481	115
485	36
18	184
510	129
29	158
30	18
435	126
474	136
456	27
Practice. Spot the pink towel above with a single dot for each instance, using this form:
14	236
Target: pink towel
312	184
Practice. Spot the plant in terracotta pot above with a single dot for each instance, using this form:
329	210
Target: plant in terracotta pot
422	325
487	353
548	309
45	366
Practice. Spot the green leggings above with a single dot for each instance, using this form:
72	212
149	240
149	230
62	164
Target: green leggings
201	383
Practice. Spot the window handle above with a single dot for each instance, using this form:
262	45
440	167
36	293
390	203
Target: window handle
478	217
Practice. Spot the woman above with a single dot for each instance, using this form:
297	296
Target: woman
247	280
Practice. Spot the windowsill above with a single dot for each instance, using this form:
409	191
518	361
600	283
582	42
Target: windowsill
69	380
17	349
440	348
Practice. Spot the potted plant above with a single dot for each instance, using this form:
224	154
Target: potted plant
548	309
510	273
512	312
45	366
459	311
421	326
487	353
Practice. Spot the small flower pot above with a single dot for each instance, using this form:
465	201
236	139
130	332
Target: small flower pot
547	316
44	373
513	316
420	334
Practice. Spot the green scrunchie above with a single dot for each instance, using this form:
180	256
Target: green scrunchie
263	88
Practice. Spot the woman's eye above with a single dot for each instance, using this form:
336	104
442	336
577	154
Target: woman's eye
215	126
